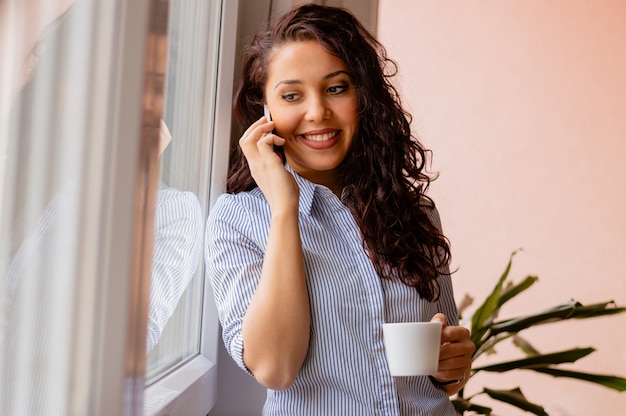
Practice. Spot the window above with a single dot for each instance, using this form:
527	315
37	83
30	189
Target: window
181	376
70	142
193	38
76	187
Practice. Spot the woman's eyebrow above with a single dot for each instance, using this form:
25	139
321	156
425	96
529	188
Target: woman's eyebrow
296	82
334	74
287	82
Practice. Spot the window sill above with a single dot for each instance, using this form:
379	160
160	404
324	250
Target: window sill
190	390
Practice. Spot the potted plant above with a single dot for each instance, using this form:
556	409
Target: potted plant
487	332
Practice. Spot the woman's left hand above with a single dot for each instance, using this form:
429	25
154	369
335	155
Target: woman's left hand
455	356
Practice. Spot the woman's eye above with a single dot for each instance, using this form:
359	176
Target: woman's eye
290	97
337	89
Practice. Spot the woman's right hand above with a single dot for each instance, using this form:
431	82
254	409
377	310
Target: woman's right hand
266	166
276	326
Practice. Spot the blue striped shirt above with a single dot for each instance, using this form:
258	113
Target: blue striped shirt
177	252
345	371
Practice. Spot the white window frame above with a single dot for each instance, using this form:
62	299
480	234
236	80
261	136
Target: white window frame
195	381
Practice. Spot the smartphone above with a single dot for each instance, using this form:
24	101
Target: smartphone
278	149
266	112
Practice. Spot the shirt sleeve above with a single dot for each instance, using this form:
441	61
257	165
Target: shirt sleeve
176	255
233	264
445	303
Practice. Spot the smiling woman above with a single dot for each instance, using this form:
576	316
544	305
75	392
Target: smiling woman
314	103
309	255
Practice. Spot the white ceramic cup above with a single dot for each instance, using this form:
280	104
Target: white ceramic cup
412	347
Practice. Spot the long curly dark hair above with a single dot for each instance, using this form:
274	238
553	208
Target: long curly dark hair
384	173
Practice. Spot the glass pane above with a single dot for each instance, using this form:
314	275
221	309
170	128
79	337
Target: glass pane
41	202
63	216
176	295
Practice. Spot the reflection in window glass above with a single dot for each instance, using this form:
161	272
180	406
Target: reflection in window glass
62	214
177	275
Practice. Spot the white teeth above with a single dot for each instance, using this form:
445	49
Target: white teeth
320	137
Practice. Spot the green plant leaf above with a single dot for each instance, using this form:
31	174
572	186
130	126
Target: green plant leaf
569	310
612	382
466	406
517	289
598	309
482	315
465	303
516	398
525	346
487	332
543	360
489	343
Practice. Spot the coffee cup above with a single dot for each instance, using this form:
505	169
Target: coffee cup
412	348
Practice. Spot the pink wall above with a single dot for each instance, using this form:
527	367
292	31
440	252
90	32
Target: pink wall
524	106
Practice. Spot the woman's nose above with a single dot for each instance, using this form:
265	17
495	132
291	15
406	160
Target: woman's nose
317	110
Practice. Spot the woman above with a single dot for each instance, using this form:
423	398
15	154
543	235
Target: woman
326	232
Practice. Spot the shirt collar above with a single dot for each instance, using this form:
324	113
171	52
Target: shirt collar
308	192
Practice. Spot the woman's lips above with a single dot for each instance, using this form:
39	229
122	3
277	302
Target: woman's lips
321	139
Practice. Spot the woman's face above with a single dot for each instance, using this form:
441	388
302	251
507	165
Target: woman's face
314	107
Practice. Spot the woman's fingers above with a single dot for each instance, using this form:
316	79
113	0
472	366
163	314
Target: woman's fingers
257	145
455	355
267	142
267	167
254	133
439	317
